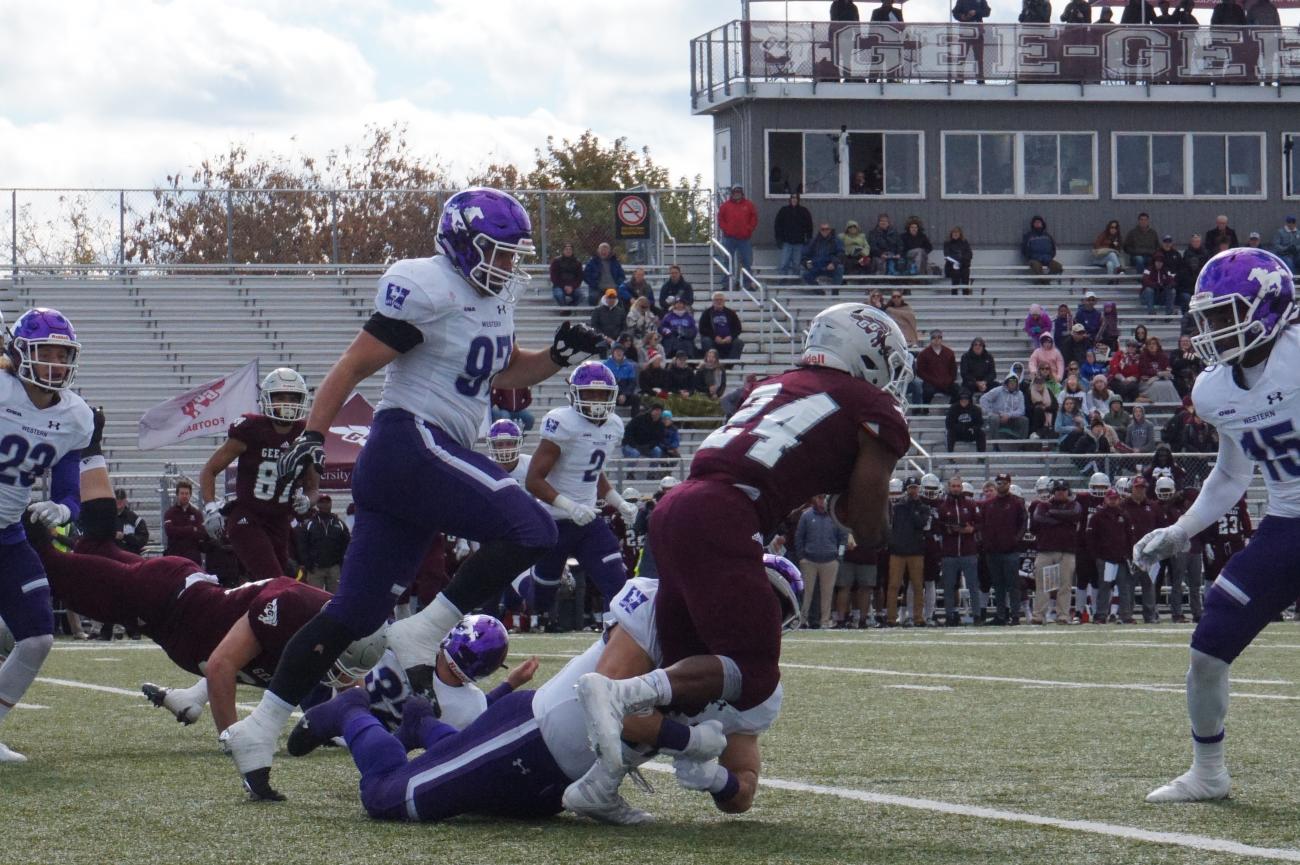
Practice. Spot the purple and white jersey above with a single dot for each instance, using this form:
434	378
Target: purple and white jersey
468	338
520	471
584	446
556	705
1262	422
389	689
32	440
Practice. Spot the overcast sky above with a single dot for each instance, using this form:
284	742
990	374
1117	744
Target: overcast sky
122	93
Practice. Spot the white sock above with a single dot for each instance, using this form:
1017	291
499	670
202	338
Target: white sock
415	639
194	695
271	711
1207	708
20	668
658	682
1207	758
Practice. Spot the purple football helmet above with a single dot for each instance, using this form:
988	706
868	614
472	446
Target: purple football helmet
503	439
593	390
476	647
1244	298
477	225
34	329
787	580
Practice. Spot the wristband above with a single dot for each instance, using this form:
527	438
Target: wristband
728	787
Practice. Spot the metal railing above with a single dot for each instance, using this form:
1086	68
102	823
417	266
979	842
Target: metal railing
725	264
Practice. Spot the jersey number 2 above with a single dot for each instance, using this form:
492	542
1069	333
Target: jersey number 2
778	430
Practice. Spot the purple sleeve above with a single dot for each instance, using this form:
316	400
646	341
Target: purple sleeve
65	482
498	692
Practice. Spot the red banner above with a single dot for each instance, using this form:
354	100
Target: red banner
344	440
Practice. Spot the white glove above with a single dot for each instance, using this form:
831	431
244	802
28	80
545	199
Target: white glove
625	508
213	521
706	777
49	514
301	504
580	514
461	550
1160	544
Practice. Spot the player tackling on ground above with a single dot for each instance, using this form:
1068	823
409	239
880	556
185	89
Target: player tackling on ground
443	331
1244	307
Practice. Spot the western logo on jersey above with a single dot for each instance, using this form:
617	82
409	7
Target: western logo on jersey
395	295
271	615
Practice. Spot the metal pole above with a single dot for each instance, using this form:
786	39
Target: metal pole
121	226
13	229
334	226
230	226
541	222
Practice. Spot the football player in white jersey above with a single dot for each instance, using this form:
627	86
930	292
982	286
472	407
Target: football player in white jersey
43	428
1245	309
443	332
567	475
528	756
504	441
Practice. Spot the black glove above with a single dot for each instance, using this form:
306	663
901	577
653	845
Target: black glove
572	338
95	448
307	451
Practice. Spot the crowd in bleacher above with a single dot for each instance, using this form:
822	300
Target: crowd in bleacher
1255	13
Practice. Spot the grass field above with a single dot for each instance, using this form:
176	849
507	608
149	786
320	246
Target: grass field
932	746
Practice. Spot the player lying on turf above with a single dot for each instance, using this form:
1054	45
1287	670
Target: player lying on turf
1244	307
522	757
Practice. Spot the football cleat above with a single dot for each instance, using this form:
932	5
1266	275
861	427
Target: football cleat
9	755
257	784
595	795
1193	787
302	740
605	702
165	698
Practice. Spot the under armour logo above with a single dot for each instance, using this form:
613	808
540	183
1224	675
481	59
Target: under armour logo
54	424
523	770
501	309
1275	396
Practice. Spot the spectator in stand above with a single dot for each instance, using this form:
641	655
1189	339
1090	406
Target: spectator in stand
183	526
634	288
511	403
1253	240
650	346
1055	523
1003	521
1107	246
630	350
1076	347
1144	516
322	542
641	319
672	436
876	299
1162	464
971	11
1108	334
965	422
910	522
609	317
1173	258
737	219
653	379
1186	365
1069	419
1046	353
1227	13
644	434
904	316
677	330
936	367
1194	435
857	252
1164	16
1042	404
681	378
793	230
957	254
132	531
886	246
1140	334
711	377
1035	12
1194	258
1091	367
732	399
978	370
887	11
823	257
1088	315
1116	417
1184	14
1138	12
1111	542
1159	284
959	519
818	539
1141	433
1124	371
1039	247
844	10
1098	396
1004	410
916	247
1156	378
1077	12
1263	13
1221	231
673	288
1036	324
1106	17
720	329
1286	244
603	272
566	279
1062	323
625	375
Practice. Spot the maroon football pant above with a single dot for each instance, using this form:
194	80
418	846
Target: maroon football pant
261	543
136	593
714	596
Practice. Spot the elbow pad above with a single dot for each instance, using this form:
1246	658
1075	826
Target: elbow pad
98	519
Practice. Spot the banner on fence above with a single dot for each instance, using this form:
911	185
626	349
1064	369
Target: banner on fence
205	410
344	440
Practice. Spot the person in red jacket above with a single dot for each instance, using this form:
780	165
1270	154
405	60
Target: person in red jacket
1055	523
737	219
1145	515
936	367
1002	524
1110	541
959	517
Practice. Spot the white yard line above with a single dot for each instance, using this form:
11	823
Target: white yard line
30	706
69	683
919	687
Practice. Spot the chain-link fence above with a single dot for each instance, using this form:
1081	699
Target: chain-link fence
45	229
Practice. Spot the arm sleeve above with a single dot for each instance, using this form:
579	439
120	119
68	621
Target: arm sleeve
65	482
1221	490
498	692
400	336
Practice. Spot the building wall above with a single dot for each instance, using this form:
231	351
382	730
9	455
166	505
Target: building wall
1000	222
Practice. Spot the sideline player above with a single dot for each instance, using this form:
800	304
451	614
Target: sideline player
257	521
518	758
1244	307
833	425
567	475
443	332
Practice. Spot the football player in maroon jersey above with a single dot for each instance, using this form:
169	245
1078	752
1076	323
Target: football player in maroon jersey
833	425
257	521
